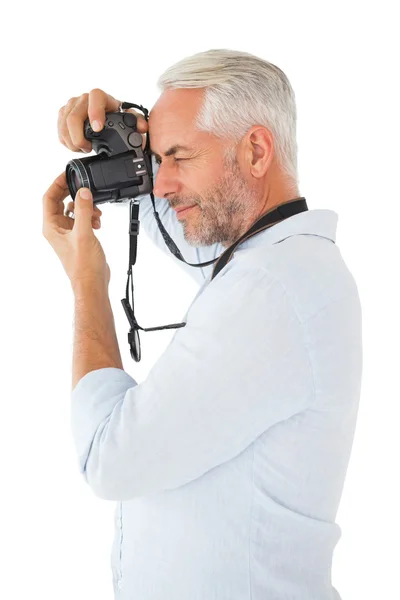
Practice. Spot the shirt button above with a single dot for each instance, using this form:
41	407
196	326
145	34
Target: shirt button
119	522
119	583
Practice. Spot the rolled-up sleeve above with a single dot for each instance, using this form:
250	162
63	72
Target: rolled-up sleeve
238	367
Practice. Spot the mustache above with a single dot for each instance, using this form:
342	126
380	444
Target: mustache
177	202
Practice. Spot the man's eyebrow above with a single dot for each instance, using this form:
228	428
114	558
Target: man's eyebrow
172	150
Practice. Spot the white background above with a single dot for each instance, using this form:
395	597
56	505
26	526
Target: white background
342	61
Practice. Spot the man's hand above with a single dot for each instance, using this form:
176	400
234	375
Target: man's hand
94	105
70	124
73	240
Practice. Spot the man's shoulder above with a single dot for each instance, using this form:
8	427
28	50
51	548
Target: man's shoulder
310	269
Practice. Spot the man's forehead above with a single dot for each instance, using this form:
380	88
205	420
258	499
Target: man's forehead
163	124
171	134
172	125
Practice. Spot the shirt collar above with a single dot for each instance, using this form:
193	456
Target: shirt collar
317	221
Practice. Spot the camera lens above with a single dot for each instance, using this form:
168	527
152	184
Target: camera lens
75	180
77	176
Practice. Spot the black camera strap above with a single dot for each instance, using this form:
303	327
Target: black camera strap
269	219
272	217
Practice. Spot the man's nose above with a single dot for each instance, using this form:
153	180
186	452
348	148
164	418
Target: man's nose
165	183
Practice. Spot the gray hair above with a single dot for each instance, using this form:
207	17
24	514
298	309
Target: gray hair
242	90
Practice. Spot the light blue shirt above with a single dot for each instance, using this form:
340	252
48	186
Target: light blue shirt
228	462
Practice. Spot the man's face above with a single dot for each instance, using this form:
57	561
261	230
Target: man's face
198	175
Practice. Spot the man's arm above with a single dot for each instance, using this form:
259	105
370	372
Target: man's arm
238	367
95	340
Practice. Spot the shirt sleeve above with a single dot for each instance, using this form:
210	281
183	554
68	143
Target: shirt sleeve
238	367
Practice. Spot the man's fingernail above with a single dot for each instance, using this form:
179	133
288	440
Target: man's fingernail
96	126
85	193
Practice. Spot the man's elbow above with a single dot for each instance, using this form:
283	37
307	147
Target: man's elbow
106	480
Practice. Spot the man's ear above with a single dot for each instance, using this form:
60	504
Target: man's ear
259	150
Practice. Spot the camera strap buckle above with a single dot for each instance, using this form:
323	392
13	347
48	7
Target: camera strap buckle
129	314
134	225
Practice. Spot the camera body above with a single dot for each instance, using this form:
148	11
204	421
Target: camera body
121	169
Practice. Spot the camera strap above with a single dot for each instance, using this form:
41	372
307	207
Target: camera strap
269	219
272	217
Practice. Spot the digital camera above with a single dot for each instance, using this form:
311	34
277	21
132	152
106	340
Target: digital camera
121	169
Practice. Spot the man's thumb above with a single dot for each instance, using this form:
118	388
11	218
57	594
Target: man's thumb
84	208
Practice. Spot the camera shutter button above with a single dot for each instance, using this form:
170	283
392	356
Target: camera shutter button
135	139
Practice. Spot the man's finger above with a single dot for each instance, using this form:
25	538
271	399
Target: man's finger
53	199
62	127
71	207
83	211
99	104
75	121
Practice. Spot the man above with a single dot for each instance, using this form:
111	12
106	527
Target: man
228	461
